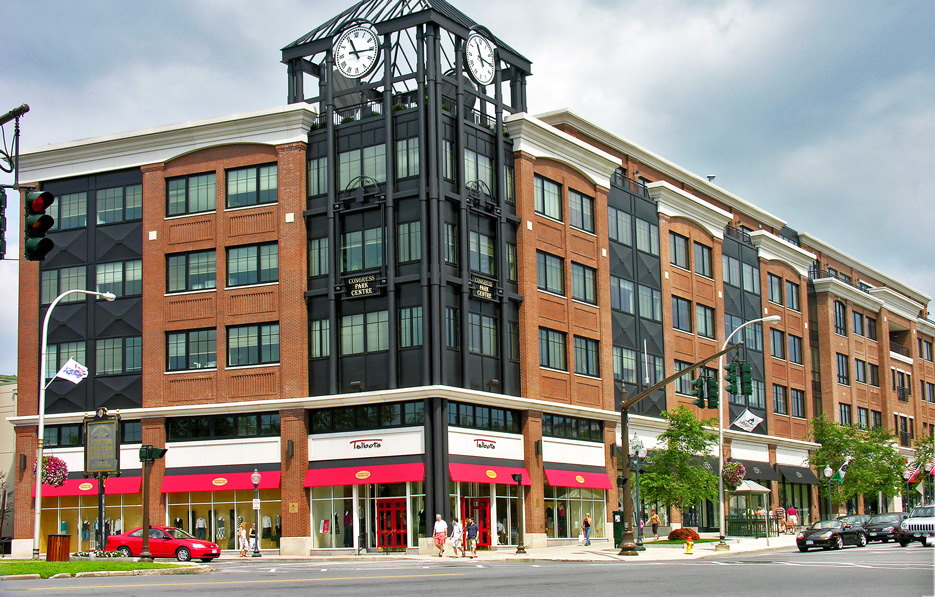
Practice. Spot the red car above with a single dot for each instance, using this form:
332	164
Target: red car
164	542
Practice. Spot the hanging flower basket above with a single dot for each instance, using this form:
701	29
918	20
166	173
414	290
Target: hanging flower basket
54	471
734	472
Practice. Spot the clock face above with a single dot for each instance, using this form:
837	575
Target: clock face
356	51
479	56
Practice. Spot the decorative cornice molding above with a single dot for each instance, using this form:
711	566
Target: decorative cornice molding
540	140
848	292
674	202
897	303
773	248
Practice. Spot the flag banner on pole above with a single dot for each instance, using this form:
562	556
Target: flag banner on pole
73	371
747	420
914	471
839	476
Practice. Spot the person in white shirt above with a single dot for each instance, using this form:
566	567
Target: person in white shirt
457	533
441	533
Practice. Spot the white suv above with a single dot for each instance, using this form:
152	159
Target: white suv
918	526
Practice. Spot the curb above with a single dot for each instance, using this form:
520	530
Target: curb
21	577
105	573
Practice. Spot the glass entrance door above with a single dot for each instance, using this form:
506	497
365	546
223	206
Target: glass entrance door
391	524
478	509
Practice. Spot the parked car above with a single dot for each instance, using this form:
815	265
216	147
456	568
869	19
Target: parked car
918	526
831	534
883	527
860	519
164	542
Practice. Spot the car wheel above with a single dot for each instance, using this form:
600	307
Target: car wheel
802	548
124	551
902	543
861	540
206	559
838	542
885	540
183	555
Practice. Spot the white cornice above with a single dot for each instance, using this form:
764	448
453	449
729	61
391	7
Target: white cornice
674	202
925	326
897	303
823	247
538	139
773	248
565	116
274	126
848	292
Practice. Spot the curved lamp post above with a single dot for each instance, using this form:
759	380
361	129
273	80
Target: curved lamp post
828	472
721	545
637	454
255	479
109	296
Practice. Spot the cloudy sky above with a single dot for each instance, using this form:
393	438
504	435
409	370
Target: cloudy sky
822	113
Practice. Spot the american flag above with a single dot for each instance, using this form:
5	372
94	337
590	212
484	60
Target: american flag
914	471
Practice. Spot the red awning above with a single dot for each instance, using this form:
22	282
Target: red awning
484	473
577	479
365	474
218	482
112	486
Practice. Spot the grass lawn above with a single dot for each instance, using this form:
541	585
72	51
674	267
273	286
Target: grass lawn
47	569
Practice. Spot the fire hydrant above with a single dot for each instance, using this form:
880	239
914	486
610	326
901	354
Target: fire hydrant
688	545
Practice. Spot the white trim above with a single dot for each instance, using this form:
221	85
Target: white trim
897	303
774	248
676	203
848	292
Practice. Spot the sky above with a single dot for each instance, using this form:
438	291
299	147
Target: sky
820	112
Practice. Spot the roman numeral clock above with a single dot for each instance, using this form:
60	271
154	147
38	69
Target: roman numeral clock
356	51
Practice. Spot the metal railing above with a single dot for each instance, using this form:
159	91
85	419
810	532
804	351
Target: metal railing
899	349
818	274
737	234
479	118
903	393
358	112
628	184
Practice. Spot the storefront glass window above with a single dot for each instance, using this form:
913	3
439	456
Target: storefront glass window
76	516
216	515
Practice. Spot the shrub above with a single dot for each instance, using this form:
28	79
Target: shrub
683	534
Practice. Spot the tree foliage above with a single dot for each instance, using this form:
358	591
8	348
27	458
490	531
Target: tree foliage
925	454
675	477
874	465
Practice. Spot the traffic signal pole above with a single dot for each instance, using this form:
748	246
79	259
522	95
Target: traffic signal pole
145	556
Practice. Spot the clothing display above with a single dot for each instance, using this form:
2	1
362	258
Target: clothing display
348	521
85	531
200	525
267	527
178	523
222	532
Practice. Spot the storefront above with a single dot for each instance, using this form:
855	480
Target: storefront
576	486
795	489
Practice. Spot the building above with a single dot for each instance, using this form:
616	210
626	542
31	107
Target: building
378	265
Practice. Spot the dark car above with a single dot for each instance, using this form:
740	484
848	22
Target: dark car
831	534
858	519
883	527
164	542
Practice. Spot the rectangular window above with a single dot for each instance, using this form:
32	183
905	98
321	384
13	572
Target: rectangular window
317	177
775	288
58	354
509	179
876	419
777	342
730	270
318	257
122	278
871	328
550	273
619	226
70	211
252	264
580	211
647	237
858	323
548	198
483	254
254	185
703	261
587	357
409	241
362	250
55	282
622	295
650	303
863	417
320	338
190	194
512	263
844	376
792	296
192	349
655	369
482	331
678	250
874	375
751	278
681	313
513	340
779	400
119	356
366	163
407	157
478	168
449	165
252	344
927	350
753	336
840	318
452	328
795	350
378	331
797	398
683	385
860	371
190	271
845	414
704	321
584	283
552	351
352	334
758	398
119	204
451	243
410	327
624	364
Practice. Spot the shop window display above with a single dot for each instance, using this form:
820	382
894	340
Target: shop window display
76	516
215	515
565	508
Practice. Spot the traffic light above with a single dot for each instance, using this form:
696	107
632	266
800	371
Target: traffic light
712	391
732	379
698	391
36	245
150	453
746	379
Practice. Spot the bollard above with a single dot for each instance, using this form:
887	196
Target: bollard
688	545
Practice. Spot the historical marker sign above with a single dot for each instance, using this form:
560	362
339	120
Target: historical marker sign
102	443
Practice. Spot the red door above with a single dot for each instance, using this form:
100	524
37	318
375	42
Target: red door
478	509
391	524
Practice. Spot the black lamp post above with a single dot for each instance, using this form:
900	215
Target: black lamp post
637	454
255	478
907	474
828	472
520	540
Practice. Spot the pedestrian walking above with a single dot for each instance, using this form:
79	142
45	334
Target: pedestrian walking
457	534
654	521
242	539
793	515
471	531
253	537
440	532
586	527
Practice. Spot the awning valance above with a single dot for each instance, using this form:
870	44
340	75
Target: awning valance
112	486
798	475
483	473
557	478
758	471
219	482
364	474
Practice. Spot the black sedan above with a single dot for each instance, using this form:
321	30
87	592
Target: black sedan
830	534
882	527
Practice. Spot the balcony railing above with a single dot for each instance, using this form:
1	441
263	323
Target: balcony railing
817	274
899	349
637	187
737	234
903	393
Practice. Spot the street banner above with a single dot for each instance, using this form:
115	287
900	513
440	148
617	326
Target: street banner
73	371
747	420
839	476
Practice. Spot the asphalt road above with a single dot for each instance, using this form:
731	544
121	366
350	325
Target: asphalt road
874	570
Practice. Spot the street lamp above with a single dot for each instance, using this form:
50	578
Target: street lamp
637	454
907	474
520	538
255	479
721	544
828	472
109	296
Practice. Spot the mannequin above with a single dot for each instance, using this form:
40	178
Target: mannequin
348	522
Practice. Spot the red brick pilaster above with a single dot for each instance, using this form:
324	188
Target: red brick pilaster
295	507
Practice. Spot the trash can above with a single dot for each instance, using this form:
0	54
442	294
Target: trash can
619	527
57	548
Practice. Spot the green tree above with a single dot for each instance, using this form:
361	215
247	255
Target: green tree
874	464
675	477
925	454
